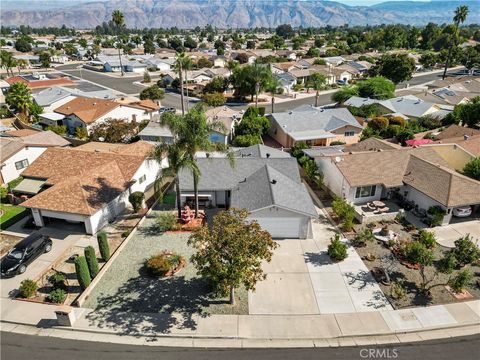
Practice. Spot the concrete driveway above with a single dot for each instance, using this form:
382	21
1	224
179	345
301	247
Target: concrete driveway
61	242
301	279
446	235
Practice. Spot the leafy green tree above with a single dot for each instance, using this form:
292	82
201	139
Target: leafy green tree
396	67
472	168
231	252
272	87
113	131
345	93
285	30
203	62
217	85
430	33
58	129
336	249
417	253
23	45
214	99
252	124
462	280
429	59
44	58
153	92
466	114
460	16
251	80
136	199
376	88
465	251
20	97
246	140
190	43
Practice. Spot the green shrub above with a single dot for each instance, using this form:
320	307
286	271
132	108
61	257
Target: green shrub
337	250
57	296
28	288
136	199
81	269
461	280
103	246
166	221
126	233
437	214
427	238
297	149
448	263
92	261
12	184
364	236
466	251
58	280
417	253
158	265
398	291
344	211
3	193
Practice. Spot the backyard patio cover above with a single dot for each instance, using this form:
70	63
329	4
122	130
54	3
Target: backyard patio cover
29	186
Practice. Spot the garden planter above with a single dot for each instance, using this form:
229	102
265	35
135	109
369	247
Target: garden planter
464	295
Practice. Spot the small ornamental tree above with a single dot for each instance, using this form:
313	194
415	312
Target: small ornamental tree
153	92
472	168
136	199
231	252
427	238
92	261
146	77
461	280
214	99
417	253
103	246
465	251
336	249
81	269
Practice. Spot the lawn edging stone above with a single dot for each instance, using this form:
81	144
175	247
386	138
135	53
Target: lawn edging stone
86	293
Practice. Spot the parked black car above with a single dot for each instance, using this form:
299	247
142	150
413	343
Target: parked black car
27	250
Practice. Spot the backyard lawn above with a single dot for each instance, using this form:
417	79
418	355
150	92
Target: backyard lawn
127	287
9	213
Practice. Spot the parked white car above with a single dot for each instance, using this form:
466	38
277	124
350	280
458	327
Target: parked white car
463	211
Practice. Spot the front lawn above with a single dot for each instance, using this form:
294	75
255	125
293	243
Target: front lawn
127	287
10	214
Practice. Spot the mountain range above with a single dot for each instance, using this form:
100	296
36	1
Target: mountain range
228	13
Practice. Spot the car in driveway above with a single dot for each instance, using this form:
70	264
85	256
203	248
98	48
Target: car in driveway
464	211
165	109
24	253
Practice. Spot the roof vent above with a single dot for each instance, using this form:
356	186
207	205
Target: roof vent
207	155
273	181
466	137
290	112
268	155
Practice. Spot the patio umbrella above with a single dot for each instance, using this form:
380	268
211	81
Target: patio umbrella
418	142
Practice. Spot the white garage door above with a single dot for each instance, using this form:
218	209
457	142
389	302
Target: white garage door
281	228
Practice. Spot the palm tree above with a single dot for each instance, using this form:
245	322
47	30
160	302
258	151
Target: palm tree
178	66
19	95
178	160
21	65
119	20
316	82
272	87
192	132
260	75
7	61
187	65
460	16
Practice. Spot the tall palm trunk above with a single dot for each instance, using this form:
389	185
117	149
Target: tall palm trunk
186	80
256	95
180	74
316	99
195	193
273	102
450	49
120	60
232	295
179	201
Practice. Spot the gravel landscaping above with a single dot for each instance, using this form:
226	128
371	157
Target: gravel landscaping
126	286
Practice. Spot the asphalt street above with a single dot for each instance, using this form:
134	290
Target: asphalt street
126	86
19	347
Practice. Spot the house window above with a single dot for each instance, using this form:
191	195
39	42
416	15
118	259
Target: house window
365	191
349	133
19	165
142	179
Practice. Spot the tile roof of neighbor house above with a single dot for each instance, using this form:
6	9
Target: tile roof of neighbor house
371	144
83	181
454	131
20	133
86	109
147	105
261	151
11	145
314	123
422	168
33	84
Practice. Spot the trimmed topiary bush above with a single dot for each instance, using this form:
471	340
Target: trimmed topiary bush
83	275
337	250
28	288
57	296
92	261
136	199
103	246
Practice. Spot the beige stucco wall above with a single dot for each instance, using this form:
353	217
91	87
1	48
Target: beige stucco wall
340	135
453	154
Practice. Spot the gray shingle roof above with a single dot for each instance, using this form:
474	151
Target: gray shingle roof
261	151
267	187
313	123
50	95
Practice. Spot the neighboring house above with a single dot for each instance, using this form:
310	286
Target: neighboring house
302	75
87	112
154	132
334	60
228	117
150	108
89	184
112	64
52	98
426	175
467	138
289	54
409	106
263	180
315	126
20	148
35	81
278	68
32	60
218	61
215	72
162	65
287	81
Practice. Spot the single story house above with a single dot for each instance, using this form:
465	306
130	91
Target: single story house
52	98
87	112
409	106
263	180
154	132
287	81
163	65
334	60
427	176
20	148
315	126
228	117
89	184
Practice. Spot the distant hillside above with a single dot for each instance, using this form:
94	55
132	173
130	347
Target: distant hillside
229	13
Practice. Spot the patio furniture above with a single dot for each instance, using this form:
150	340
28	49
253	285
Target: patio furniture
383	210
378	204
371	206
